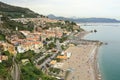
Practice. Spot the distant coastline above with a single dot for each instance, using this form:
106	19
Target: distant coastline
86	20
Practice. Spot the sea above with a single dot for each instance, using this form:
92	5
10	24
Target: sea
109	54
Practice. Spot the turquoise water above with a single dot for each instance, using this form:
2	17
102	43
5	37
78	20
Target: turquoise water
109	55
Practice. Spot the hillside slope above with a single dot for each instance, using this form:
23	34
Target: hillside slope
15	12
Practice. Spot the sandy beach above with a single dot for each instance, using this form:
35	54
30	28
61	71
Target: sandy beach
82	63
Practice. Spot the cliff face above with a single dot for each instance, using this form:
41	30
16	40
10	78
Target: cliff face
15	12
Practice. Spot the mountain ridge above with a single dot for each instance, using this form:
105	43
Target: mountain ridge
86	20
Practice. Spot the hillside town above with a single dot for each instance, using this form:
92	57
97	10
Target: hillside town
46	43
59	40
35	47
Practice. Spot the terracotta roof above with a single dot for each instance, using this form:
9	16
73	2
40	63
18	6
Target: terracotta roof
62	57
53	62
3	57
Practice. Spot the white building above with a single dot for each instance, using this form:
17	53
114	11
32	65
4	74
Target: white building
69	54
21	49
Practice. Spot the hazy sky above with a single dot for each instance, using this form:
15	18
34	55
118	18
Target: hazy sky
69	8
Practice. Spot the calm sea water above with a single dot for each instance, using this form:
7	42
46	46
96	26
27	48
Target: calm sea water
109	55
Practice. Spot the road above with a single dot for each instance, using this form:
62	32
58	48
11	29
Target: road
58	45
47	60
15	71
53	56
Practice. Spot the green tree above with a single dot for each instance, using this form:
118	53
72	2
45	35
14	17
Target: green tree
73	23
5	67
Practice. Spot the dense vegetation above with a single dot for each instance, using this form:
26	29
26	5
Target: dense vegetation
15	12
26	55
10	24
29	70
8	27
5	66
2	37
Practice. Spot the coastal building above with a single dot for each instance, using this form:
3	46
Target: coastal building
62	57
21	49
29	46
8	47
25	61
49	33
22	20
25	33
71	45
58	65
53	32
12	39
35	20
3	58
66	32
62	53
36	36
53	62
33	41
68	54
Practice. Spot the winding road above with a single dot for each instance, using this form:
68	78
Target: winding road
15	71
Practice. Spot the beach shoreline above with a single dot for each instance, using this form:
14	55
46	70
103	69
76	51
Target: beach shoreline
96	65
86	66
